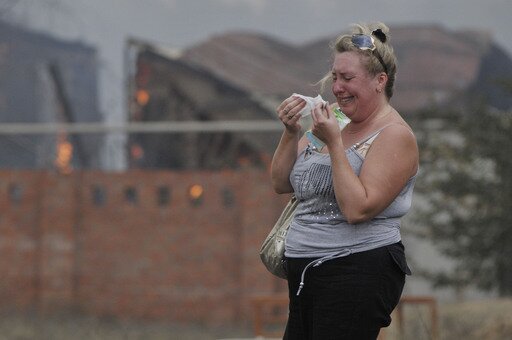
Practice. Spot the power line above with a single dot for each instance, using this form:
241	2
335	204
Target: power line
141	127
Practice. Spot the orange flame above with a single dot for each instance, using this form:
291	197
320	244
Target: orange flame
142	97
64	155
195	191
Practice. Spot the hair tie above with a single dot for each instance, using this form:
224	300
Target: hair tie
380	35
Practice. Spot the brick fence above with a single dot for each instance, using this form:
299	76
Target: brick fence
136	244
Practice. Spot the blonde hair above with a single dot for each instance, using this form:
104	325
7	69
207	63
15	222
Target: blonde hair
381	36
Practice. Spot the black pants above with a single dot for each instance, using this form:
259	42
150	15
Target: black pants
349	298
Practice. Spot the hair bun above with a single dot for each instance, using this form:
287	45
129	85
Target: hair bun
380	35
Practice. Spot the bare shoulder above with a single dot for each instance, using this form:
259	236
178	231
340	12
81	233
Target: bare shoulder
397	140
399	130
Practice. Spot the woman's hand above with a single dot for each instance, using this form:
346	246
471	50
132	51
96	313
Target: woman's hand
286	152
325	124
288	113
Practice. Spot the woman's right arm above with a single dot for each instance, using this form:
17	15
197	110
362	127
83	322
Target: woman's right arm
282	162
286	152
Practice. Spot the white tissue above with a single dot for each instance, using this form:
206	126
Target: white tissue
310	103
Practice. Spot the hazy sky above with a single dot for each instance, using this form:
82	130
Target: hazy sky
183	22
105	24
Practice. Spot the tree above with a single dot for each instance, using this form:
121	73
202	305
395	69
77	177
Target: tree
467	184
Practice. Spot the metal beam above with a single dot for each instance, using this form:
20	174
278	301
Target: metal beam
142	127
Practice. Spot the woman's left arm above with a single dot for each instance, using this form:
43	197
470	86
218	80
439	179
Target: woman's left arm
389	164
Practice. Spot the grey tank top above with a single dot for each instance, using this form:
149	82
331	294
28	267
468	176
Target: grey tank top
319	228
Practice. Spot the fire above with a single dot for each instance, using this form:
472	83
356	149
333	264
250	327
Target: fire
136	151
64	155
196	191
142	97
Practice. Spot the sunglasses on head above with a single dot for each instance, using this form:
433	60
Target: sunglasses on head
366	42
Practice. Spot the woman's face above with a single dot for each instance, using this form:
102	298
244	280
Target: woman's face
353	87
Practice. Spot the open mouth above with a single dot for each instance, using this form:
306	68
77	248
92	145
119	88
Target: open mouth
345	100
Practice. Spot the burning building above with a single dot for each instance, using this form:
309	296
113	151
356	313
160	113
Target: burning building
45	80
167	89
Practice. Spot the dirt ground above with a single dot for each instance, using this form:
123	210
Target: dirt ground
476	320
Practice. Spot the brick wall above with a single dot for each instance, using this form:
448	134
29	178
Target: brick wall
135	244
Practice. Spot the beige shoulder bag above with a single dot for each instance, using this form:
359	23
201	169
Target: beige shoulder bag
272	249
